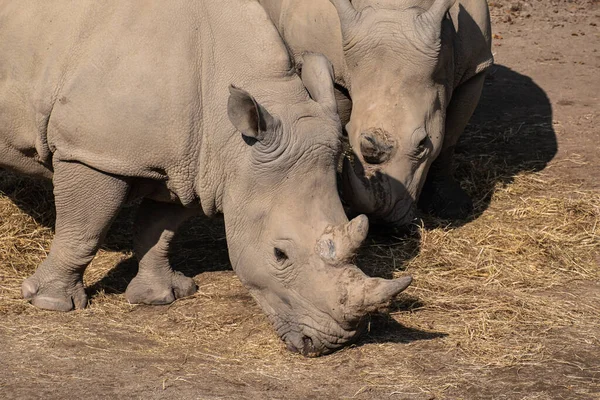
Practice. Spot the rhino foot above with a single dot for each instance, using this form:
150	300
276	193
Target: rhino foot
445	199
54	294
158	289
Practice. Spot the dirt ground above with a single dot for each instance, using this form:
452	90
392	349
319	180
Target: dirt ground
505	305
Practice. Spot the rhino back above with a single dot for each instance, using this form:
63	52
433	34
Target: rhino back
130	88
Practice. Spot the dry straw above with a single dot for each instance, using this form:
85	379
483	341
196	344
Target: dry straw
486	293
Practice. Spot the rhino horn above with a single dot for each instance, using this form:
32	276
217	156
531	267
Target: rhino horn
339	243
379	292
366	295
355	232
347	13
430	22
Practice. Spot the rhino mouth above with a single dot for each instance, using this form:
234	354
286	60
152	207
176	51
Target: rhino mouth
313	342
373	192
390	209
402	213
316	334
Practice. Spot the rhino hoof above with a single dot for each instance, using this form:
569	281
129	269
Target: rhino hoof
54	295
153	290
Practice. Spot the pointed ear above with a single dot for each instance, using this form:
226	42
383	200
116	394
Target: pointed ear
347	13
317	76
249	117
430	22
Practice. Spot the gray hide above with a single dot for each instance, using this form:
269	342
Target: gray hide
414	73
119	101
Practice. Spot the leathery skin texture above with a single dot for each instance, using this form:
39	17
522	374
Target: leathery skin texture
187	106
409	75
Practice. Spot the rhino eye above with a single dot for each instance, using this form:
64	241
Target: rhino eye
421	148
280	255
421	139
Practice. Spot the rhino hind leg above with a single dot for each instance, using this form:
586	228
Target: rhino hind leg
87	201
156	282
442	195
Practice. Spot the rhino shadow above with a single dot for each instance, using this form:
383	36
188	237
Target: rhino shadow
35	198
32	196
385	329
510	133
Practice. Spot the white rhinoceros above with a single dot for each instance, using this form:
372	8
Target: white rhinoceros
118	101
414	70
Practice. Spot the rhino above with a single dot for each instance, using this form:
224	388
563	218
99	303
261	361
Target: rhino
409	74
122	101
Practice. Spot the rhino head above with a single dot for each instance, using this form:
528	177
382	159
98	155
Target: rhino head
400	76
290	242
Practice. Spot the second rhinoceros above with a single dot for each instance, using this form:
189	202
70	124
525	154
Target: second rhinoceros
414	70
119	101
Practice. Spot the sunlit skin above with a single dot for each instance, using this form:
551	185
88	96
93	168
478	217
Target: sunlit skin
409	75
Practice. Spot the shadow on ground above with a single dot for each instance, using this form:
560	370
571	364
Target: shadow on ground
385	329
199	246
511	132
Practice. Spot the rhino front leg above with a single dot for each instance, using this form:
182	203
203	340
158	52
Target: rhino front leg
442	194
156	282
86	201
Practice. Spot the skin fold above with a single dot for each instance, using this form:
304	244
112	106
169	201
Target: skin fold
409	75
189	106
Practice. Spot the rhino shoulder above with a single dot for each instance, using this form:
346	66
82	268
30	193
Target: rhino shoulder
473	53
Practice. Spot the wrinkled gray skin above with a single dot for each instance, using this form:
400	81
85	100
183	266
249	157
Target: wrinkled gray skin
120	101
414	74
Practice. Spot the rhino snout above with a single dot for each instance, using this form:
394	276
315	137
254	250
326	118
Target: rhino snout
376	146
302	344
313	343
402	214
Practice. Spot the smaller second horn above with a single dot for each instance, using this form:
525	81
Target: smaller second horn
339	243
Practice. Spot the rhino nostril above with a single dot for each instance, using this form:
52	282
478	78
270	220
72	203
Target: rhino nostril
375	146
308	347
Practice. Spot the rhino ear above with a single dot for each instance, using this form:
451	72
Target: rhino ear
317	76
430	22
249	117
347	13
